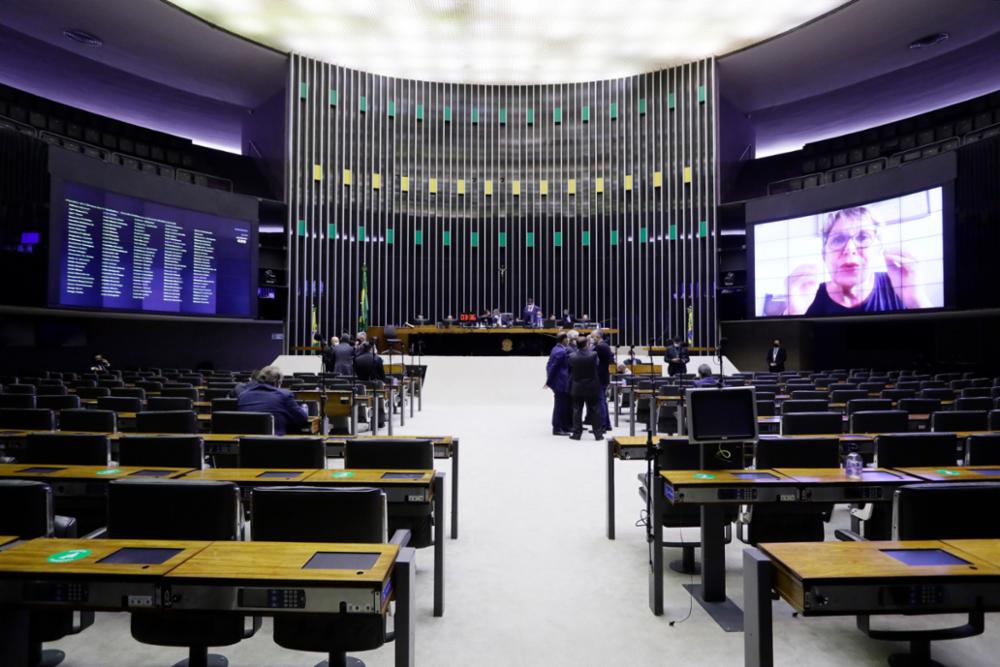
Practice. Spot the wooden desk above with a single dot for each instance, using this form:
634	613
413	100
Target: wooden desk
626	448
79	480
987	550
253	476
7	539
861	578
474	340
955	473
260	578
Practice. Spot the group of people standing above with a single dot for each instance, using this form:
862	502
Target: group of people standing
358	360
532	316
578	374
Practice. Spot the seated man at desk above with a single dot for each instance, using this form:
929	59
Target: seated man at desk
267	396
368	367
705	377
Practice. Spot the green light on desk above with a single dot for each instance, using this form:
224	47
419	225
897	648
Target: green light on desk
703	475
68	556
949	473
342	474
109	471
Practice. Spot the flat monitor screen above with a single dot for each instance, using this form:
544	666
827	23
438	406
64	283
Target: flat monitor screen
881	256
119	252
716	415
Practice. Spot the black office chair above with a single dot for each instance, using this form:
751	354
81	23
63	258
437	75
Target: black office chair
309	514
909	450
92	392
879	421
809	395
765	408
26	511
919	406
171	451
17	401
119	403
938	511
812	405
402	454
66	449
871	387
247	423
847	395
150	385
93	421
975	392
212	393
935	384
61	402
940	393
868	404
224	404
51	390
994	419
30	419
282	452
812	423
163	403
19	389
129	392
160	509
982	449
966	403
897	394
842	386
793	522
960	420
166	421
186	391
110	383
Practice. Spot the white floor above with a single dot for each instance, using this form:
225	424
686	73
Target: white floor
532	580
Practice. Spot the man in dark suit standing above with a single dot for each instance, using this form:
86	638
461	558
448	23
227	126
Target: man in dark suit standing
585	388
341	356
266	395
776	357
605	357
532	314
368	367
566	321
557	379
677	358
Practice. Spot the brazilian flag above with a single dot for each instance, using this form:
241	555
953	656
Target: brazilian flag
690	325
363	317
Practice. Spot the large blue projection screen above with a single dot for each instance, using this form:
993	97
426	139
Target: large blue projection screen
123	253
878	257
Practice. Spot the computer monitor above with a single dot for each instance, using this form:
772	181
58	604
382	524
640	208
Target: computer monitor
721	415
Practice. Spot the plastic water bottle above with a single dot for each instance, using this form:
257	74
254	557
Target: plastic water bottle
853	466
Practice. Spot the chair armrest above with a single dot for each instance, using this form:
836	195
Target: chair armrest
848	536
97	533
400	537
254	627
862	512
64	526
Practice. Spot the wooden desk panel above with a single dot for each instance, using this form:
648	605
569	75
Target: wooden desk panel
7	539
955	473
21	471
987	550
839	476
368	477
252	475
281	561
679	478
32	557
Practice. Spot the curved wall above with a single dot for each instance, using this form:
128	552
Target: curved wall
597	197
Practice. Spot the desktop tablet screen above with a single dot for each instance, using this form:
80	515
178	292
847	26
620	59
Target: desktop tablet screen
136	556
341	560
279	474
924	557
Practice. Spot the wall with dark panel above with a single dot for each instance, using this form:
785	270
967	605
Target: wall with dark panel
597	197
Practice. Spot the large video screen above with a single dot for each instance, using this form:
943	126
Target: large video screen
878	257
119	252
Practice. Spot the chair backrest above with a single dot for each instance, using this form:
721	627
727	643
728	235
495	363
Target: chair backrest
173	509
905	450
171	451
847	395
129	392
406	454
765	408
942	394
945	511
982	449
919	406
810	395
94	421
685	456
19	389
17	401
994	420
26	509
897	394
908	385
282	452
812	423
216	393
62	402
34	419
51	389
92	392
160	403
975	392
315	514
119	403
965	403
110	383
256	423
167	421
150	385
225	404
868	404
871	386
960	420
880	421
798	453
66	449
813	405
933	384
183	392
842	386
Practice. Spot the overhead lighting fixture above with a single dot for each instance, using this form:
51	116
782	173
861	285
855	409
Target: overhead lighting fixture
929	40
83	37
508	41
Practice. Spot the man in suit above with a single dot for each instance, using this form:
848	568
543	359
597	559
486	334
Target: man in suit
705	377
557	379
566	320
341	356
266	395
677	358
605	357
368	367
776	357
585	389
532	314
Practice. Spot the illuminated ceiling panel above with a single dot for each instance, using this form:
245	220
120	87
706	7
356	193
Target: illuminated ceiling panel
508	41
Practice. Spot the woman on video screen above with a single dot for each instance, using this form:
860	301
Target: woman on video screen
853	253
